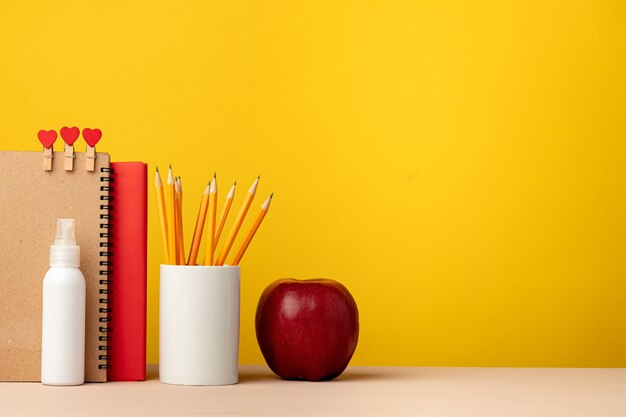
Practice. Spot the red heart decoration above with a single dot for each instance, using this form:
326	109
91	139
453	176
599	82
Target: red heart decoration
92	136
47	137
70	134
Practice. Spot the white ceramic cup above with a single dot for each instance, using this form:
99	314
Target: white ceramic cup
199	325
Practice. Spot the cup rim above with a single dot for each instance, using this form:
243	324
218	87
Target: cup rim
201	266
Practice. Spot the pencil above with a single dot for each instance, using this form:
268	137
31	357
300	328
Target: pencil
197	231
171	220
182	236
227	203
211	227
238	222
255	226
176	249
179	180
179	232
162	214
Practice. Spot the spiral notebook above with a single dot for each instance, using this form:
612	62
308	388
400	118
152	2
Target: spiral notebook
31	200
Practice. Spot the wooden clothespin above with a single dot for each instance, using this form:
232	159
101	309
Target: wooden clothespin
69	135
91	136
47	138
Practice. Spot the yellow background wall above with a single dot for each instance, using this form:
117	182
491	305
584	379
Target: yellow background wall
459	166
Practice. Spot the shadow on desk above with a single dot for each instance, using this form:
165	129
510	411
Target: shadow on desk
257	373
351	374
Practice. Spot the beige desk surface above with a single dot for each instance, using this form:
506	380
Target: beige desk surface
360	391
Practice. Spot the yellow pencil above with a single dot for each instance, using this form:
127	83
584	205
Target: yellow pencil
227	203
171	220
211	227
197	231
176	250
255	226
162	214
182	236
238	222
179	180
179	233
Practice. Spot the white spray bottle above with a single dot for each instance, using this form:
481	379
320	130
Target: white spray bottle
63	321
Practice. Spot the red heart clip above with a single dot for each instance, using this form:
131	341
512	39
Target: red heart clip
70	134
47	137
92	136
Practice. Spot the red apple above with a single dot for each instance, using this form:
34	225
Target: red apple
307	329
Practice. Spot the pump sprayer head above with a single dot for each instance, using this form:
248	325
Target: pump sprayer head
65	233
64	252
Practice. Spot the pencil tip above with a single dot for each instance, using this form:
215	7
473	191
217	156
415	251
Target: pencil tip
214	175
258	178
266	203
234	183
254	186
157	168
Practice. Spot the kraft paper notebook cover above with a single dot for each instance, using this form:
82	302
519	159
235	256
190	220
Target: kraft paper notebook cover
129	240
31	201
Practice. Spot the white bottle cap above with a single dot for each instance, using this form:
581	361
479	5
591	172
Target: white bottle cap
64	252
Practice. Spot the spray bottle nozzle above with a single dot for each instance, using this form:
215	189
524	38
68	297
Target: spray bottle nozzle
64	252
65	233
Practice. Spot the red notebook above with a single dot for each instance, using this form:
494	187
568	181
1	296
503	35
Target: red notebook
127	354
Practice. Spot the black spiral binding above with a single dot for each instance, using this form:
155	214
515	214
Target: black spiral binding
106	273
